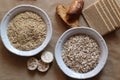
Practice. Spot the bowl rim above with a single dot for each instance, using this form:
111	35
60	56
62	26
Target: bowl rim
6	41
68	71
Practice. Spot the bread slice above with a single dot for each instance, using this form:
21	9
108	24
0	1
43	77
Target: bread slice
94	20
113	13
103	15
61	11
107	13
115	9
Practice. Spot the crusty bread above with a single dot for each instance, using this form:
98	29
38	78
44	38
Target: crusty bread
62	12
75	7
94	20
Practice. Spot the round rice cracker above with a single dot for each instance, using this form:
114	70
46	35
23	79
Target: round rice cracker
42	67
47	57
32	63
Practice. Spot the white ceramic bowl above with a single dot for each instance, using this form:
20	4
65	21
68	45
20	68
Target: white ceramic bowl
92	33
10	14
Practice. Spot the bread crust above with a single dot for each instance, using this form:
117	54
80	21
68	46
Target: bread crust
62	12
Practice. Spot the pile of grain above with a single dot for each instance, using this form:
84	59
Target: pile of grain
27	31
81	53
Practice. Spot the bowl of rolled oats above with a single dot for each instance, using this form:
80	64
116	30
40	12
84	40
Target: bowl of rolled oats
81	52
26	30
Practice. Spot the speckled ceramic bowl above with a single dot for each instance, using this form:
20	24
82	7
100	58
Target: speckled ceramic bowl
10	14
92	33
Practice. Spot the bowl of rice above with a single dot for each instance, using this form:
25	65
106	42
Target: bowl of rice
81	52
26	30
